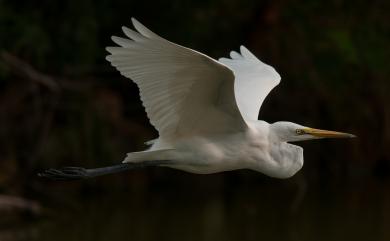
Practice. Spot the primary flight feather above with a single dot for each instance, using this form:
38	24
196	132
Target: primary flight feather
205	111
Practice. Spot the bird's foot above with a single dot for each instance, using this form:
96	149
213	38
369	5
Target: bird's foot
65	173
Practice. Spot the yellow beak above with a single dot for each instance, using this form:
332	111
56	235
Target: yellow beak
326	134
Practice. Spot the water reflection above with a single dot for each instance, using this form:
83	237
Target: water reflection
358	212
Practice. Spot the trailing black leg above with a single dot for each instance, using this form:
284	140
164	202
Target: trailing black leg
76	173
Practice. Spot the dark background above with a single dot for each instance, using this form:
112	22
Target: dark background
62	104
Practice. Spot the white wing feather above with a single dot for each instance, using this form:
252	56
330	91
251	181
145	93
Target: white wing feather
253	81
183	91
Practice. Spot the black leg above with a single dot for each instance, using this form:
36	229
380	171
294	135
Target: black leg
76	173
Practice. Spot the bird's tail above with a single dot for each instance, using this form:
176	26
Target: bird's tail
164	154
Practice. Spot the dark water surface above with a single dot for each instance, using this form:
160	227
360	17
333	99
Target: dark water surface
360	211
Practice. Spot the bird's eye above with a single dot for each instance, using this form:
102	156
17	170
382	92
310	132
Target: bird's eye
299	132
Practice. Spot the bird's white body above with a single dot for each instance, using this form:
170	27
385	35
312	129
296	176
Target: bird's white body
206	110
256	149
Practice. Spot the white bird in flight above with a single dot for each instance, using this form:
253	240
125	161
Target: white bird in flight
205	111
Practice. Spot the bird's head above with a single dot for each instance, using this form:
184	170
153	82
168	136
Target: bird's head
288	132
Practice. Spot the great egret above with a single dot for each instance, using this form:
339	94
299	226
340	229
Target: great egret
206	111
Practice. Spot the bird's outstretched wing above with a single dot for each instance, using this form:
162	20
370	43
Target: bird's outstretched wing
183	91
253	81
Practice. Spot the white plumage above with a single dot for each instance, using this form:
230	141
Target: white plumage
206	110
253	81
